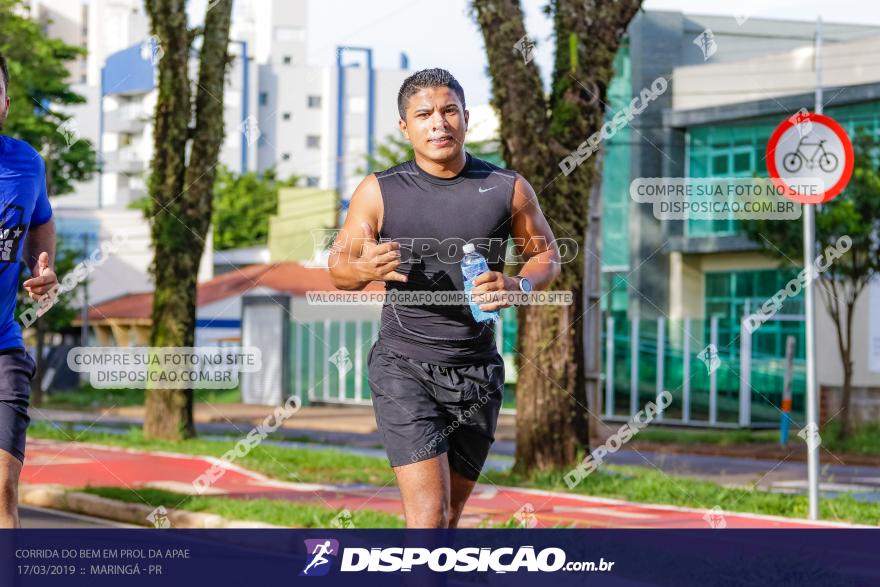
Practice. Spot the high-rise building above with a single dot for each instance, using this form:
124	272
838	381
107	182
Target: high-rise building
281	112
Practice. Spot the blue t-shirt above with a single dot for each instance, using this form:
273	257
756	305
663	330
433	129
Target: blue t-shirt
23	203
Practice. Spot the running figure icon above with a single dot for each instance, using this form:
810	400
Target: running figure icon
319	558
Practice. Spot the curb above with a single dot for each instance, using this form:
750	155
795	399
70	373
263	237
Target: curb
57	498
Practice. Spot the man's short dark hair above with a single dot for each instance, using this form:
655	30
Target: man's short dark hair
5	71
426	78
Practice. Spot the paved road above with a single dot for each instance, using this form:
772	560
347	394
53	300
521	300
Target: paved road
33	517
78	465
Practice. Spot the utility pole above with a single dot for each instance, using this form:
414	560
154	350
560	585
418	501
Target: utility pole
84	332
809	250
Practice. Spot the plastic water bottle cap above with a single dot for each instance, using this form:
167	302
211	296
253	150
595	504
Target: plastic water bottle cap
468	248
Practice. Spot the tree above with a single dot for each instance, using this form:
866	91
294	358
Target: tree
242	205
181	181
854	213
38	87
537	132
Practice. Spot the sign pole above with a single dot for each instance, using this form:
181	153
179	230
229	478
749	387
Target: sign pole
810	317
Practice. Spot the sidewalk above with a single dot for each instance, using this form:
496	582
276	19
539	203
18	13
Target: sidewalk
76	465
345	419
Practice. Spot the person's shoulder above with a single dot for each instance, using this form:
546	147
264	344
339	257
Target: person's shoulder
487	167
18	145
20	149
406	167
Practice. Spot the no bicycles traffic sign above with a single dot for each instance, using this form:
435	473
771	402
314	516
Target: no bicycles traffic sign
810	158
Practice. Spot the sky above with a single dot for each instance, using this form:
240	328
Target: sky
443	34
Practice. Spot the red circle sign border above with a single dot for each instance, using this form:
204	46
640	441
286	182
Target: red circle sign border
847	152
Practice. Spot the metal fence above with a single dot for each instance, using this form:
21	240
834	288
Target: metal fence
713	374
716	376
328	358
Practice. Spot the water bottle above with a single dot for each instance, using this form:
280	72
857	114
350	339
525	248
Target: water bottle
472	265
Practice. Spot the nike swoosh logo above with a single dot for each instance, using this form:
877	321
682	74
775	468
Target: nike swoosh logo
488	189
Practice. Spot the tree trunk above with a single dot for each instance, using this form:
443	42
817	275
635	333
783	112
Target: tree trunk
537	133
180	185
846	390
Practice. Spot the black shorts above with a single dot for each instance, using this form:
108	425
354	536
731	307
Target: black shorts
16	371
424	410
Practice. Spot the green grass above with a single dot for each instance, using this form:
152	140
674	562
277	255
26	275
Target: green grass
91	398
278	512
653	486
627	483
863	441
288	464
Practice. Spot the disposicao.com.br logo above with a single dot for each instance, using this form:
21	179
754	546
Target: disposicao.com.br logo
319	553
440	560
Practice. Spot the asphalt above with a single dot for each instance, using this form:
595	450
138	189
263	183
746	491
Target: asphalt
34	517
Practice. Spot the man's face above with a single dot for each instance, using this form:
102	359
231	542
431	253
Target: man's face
436	123
4	103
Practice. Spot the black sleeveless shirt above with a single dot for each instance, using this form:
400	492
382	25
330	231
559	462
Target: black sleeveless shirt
433	218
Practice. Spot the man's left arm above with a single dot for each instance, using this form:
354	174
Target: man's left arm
534	241
39	256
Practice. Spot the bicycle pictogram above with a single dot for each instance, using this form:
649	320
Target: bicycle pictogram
793	161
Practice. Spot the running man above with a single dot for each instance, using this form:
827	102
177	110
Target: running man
319	553
436	376
27	233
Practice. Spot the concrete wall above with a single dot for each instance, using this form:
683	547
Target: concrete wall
829	369
789	73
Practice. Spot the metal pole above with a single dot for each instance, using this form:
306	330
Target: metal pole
84	332
101	141
809	239
609	367
786	390
661	355
245	103
713	375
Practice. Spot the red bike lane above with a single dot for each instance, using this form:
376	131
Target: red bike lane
77	465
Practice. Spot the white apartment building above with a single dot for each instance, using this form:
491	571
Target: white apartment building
298	106
280	112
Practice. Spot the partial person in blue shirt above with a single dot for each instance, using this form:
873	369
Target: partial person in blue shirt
27	234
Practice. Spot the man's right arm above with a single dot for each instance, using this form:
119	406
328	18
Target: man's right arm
356	258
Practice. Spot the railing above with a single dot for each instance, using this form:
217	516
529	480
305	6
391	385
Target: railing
714	375
328	359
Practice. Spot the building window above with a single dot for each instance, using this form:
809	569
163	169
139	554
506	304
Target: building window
286	116
730	295
264	98
313	101
287	60
312	181
313	141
